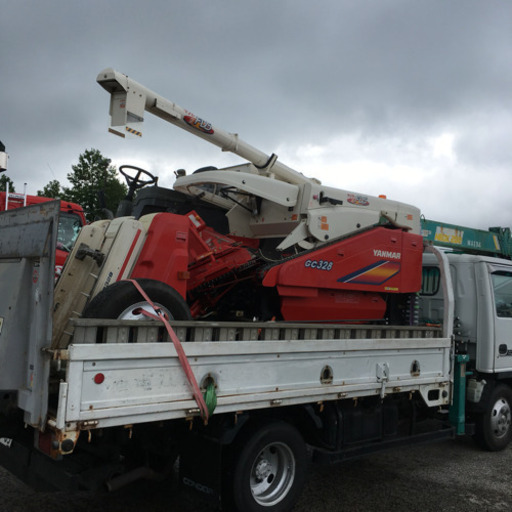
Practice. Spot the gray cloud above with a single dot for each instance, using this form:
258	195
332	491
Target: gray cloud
368	83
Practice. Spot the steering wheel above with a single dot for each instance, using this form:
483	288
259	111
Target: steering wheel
136	182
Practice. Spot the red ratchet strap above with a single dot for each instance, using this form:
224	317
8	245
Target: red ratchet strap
179	349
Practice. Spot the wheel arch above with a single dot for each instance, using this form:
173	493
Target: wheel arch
302	417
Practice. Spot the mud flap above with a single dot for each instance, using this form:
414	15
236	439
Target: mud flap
200	468
33	467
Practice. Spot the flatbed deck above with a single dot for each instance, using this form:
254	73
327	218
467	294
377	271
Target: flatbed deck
253	366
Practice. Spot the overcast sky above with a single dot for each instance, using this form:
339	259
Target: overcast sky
408	98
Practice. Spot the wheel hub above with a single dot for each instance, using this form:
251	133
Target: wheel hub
263	470
134	312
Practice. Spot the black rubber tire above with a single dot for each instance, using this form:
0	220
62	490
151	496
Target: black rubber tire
119	297
494	425
269	469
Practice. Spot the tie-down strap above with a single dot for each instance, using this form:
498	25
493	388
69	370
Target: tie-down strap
182	357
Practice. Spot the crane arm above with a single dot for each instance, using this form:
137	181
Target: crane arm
495	241
129	100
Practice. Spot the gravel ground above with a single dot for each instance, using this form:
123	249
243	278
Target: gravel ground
448	476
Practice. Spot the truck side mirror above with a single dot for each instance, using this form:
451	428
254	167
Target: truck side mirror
3	158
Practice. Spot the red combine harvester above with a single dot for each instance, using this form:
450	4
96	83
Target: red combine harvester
256	241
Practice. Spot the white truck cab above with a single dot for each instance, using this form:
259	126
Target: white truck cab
482	289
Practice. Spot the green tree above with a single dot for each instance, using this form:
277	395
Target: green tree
4	179
52	189
94	178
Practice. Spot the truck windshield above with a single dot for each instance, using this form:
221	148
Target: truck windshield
502	284
69	227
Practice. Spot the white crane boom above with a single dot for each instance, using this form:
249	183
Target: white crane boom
129	100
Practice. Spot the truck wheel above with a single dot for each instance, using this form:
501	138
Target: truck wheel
494	426
123	301
269	469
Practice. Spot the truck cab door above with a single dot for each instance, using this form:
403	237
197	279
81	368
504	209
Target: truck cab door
501	282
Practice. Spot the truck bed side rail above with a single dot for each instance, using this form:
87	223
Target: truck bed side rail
134	331
110	384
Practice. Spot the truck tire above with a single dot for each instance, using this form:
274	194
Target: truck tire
494	425
122	300
269	469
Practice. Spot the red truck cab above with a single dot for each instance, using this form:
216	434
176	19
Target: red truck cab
71	220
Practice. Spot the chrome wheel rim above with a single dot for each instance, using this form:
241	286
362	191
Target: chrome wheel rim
134	312
272	474
501	418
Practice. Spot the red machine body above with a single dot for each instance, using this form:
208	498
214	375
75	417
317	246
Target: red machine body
182	251
347	280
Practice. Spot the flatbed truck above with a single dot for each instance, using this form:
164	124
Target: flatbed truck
115	404
97	401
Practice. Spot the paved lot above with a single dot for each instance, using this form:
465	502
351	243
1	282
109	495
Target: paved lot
448	476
